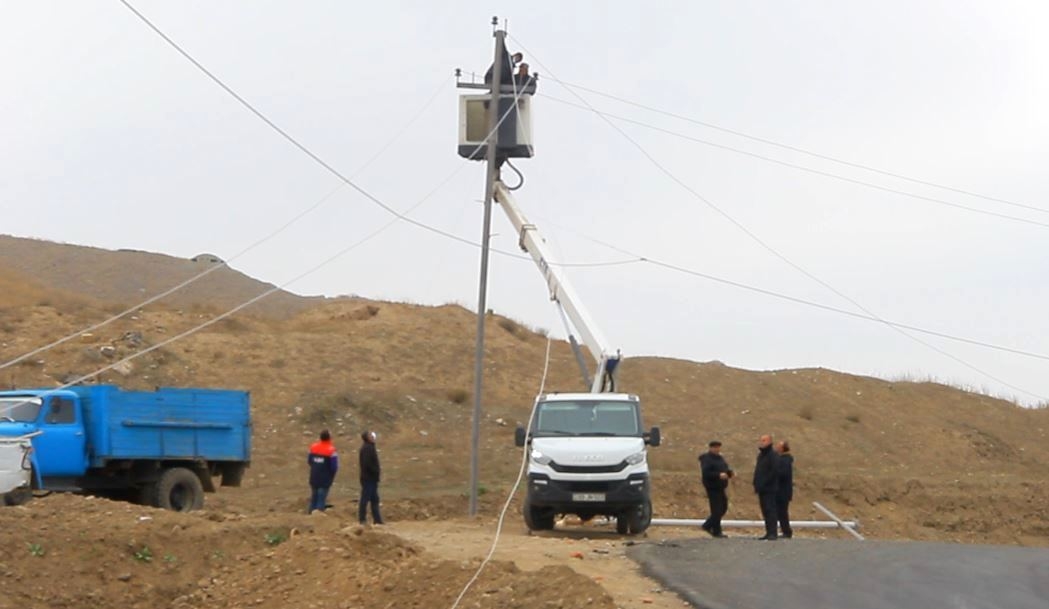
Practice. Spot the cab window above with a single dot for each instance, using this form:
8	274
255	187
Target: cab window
61	411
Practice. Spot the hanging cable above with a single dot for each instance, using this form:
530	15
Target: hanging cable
896	191
226	263
799	150
513	490
754	237
519	175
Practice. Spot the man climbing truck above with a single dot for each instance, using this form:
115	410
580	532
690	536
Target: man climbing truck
588	450
161	448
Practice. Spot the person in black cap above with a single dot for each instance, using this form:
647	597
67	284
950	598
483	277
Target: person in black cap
715	473
369	461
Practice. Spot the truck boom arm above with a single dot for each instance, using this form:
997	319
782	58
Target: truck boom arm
562	293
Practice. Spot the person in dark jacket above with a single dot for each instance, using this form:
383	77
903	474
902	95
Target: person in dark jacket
766	484
785	486
324	463
715	473
369	460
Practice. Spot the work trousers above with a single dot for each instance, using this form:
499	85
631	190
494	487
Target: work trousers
768	512
369	494
318	498
783	515
718	506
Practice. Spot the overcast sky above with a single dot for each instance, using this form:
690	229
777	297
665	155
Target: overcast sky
110	138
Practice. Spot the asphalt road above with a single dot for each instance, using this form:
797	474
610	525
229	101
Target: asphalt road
847	574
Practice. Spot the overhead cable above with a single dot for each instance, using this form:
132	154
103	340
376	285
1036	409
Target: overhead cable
754	237
607	115
825	157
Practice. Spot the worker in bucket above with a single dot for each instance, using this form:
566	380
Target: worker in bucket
785	487
324	463
715	474
369	462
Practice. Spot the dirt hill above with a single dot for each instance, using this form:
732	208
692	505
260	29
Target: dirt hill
909	460
122	278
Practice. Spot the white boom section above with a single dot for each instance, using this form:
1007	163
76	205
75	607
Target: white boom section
561	291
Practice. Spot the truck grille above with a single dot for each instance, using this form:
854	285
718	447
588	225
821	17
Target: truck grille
588	469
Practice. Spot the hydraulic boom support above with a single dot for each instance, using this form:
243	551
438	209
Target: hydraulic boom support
562	293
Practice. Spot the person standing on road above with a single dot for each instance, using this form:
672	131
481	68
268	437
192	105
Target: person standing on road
324	463
715	474
766	485
785	486
369	460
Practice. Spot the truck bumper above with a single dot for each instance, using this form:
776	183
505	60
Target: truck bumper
607	497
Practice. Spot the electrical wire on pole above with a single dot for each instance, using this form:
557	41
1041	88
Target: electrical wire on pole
765	245
799	150
819	172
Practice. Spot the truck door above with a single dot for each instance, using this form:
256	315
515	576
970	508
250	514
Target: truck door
61	448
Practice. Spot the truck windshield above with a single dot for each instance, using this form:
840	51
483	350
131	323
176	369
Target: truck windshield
21	409
587	418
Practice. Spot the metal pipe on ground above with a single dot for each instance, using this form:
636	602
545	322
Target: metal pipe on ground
837	520
849	525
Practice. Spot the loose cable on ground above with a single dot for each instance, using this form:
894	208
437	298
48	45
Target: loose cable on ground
513	491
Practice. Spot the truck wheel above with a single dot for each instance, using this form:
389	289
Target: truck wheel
639	518
536	518
622	524
180	490
18	496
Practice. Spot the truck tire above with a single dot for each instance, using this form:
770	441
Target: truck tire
536	518
179	489
622	524
18	496
639	518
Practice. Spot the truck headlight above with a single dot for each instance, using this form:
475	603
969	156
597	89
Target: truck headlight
636	458
540	458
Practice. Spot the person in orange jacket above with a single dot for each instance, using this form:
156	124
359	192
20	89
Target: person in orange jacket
324	463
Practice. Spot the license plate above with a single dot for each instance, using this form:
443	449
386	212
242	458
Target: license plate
588	496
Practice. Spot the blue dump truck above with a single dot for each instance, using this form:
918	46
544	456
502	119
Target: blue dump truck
162	448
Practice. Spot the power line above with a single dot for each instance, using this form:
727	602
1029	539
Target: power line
251	301
249	248
287	224
754	237
810	303
304	149
804	151
811	170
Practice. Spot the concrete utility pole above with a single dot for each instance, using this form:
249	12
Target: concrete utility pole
482	297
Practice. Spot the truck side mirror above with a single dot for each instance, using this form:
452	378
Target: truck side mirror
520	437
653	438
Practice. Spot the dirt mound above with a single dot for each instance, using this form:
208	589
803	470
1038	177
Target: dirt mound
123	278
68	551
